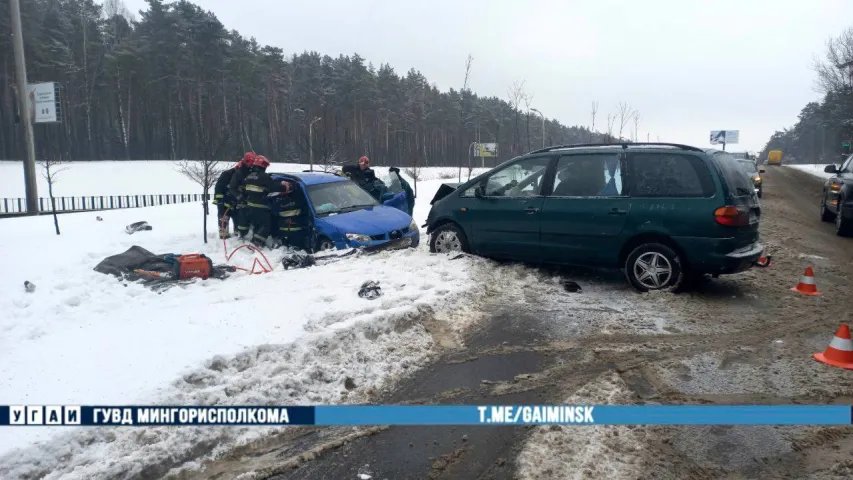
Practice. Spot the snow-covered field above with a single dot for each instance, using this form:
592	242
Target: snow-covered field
288	337
137	177
816	170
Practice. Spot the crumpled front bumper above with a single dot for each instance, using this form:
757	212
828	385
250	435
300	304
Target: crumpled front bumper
398	244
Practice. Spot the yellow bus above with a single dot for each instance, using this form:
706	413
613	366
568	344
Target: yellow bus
774	157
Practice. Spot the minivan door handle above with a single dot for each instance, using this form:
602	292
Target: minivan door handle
531	210
616	211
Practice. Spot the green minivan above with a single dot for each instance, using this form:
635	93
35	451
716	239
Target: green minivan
661	212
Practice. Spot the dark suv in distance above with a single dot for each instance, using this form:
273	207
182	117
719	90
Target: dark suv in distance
660	212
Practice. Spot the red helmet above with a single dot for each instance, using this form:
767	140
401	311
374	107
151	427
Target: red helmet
364	159
248	158
261	161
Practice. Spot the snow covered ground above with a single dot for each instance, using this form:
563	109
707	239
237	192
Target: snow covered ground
288	337
816	170
137	177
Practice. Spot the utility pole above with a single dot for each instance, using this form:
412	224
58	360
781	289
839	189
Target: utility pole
311	143
543	125
23	108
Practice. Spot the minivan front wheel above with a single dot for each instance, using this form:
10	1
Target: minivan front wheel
654	266
448	238
825	214
843	226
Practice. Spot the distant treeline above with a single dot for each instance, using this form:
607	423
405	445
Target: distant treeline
177	84
823	126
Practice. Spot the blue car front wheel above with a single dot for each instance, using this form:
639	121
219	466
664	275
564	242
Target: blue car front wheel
324	244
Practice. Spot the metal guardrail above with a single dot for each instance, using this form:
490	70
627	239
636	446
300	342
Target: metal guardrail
98	202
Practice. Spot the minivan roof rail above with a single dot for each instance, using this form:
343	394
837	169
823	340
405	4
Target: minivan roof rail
623	145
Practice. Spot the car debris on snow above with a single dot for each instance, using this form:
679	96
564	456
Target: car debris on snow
370	290
571	286
29	287
137	227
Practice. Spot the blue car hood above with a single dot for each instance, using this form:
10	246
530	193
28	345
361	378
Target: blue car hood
369	221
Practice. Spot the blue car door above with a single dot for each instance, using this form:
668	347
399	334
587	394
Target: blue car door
396	200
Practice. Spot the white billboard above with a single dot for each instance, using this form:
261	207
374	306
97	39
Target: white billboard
724	136
485	150
41	99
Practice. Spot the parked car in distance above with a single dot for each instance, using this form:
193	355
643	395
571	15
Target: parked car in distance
343	215
660	212
754	173
837	201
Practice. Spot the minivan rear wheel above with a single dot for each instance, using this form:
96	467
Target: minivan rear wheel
448	238
654	266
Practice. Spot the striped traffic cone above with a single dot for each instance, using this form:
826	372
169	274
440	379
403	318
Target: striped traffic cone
807	284
839	353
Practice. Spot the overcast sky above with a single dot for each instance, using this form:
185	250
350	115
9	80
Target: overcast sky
688	66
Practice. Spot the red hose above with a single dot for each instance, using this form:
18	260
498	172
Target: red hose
256	263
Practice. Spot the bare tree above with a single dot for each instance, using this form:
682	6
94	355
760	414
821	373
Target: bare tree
51	170
836	72
416	165
624	112
117	7
637	117
515	93
593	111
528	101
331	159
611	120
205	172
462	111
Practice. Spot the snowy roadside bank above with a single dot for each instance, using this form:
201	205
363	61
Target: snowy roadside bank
815	170
289	337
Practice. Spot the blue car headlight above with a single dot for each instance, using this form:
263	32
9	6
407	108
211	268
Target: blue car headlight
413	227
357	237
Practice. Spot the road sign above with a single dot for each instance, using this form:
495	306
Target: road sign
485	149
724	136
43	102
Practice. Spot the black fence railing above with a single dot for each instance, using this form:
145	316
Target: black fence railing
99	202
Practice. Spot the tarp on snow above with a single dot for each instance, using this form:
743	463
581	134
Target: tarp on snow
124	266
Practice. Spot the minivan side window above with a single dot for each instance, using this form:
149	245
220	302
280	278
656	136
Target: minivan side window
588	175
668	175
521	179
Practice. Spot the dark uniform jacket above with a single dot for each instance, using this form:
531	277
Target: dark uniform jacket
235	185
257	186
220	189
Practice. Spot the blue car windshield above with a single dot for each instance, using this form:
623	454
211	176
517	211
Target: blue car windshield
339	197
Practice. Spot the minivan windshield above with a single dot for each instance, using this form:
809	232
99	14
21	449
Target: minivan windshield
339	197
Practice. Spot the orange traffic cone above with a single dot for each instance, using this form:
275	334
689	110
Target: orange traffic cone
839	353
807	284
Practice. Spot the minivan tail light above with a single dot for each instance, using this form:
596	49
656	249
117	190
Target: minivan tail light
732	216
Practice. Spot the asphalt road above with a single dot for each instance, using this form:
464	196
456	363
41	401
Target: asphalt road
743	339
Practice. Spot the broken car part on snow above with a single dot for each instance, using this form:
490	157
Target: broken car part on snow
137	227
